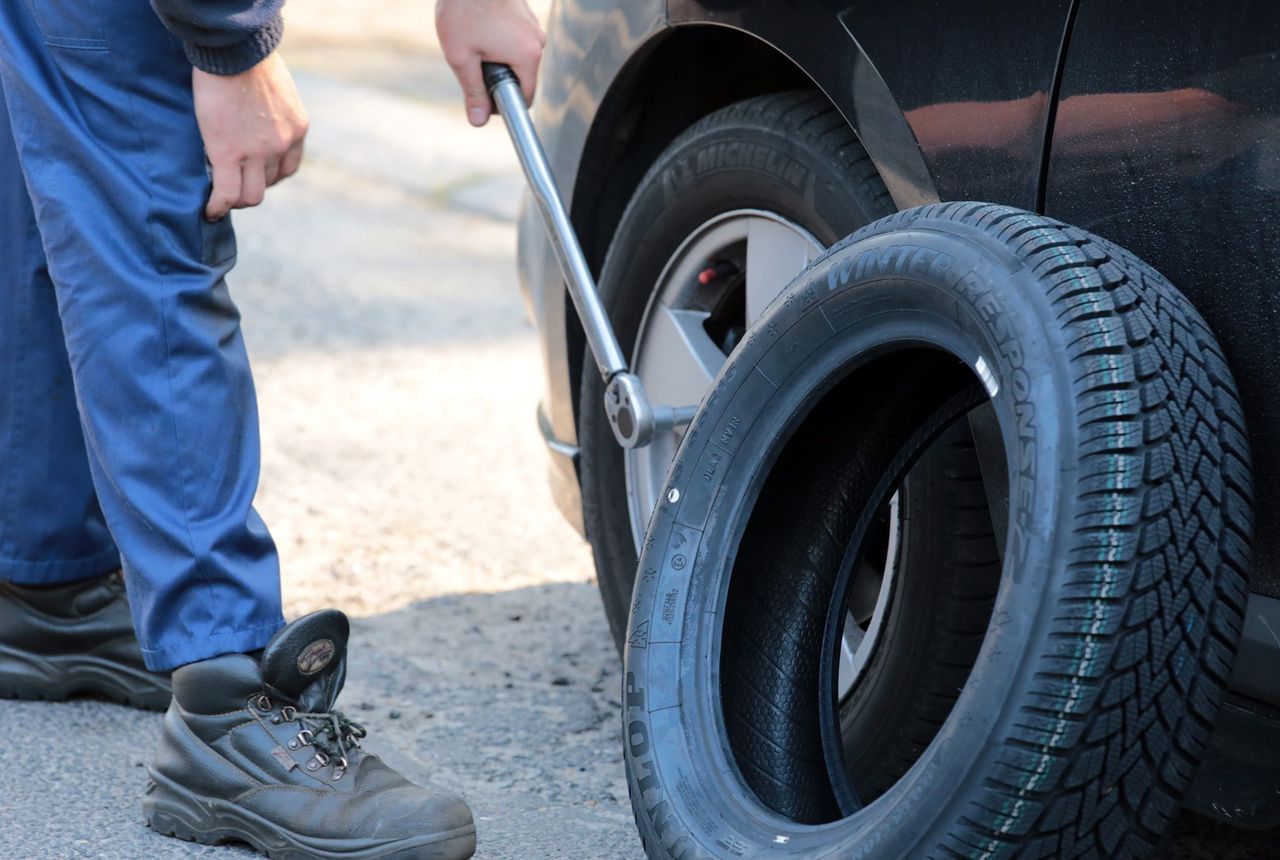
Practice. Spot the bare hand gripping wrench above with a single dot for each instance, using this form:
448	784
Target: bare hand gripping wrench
633	419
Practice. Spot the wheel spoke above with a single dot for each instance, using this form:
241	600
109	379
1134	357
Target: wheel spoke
678	360
776	253
864	591
848	669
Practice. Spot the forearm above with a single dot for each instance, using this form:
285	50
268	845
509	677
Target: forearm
223	37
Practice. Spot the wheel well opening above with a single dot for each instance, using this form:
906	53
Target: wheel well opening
675	80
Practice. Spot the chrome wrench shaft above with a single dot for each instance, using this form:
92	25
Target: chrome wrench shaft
633	419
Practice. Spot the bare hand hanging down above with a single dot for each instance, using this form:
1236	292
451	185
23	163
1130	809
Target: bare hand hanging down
253	125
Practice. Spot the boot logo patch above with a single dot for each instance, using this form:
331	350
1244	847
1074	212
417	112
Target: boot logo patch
315	656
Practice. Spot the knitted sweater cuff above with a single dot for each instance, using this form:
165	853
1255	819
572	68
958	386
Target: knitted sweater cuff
243	55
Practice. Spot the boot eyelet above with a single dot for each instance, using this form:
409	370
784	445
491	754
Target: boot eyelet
262	703
313	765
338	773
293	743
304	737
289	713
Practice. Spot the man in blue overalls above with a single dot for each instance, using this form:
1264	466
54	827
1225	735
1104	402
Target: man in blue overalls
128	424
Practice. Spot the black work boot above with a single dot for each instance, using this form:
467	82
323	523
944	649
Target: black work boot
253	751
74	638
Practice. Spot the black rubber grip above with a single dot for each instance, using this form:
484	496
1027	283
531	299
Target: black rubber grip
496	73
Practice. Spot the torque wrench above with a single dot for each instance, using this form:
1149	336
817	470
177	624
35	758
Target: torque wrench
633	418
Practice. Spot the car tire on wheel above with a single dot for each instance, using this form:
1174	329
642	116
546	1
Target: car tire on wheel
1085	709
783	167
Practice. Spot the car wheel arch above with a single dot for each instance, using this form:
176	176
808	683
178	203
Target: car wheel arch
735	64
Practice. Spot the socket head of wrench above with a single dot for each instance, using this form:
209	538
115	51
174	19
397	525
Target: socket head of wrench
628	410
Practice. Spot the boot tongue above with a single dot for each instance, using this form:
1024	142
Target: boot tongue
306	661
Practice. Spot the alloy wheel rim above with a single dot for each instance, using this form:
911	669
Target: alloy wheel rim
746	258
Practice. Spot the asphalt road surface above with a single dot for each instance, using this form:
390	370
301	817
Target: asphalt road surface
404	482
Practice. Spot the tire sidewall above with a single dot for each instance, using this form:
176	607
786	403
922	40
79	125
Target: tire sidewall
970	296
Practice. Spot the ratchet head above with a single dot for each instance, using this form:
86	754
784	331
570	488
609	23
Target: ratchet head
628	409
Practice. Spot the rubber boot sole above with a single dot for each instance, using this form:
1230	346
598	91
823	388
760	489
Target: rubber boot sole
172	810
24	675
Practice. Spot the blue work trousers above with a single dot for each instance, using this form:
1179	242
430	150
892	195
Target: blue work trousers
128	421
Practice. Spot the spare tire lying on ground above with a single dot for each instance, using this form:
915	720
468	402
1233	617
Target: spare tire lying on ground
1078	721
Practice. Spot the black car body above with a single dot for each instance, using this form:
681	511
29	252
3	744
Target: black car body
1153	124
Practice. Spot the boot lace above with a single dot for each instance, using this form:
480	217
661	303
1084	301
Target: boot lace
333	734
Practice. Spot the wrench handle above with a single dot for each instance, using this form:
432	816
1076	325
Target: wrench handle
496	73
504	88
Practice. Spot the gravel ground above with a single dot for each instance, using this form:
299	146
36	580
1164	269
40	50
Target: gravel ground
404	481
